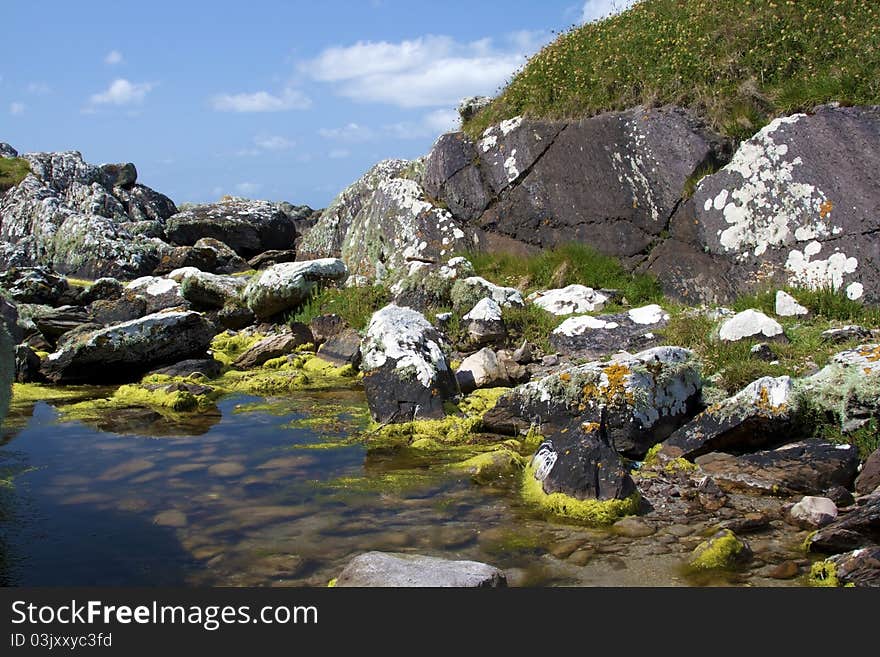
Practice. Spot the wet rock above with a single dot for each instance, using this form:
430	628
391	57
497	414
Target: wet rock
160	293
763	351
324	327
861	568
646	396
750	522
124	351
342	349
272	257
785	570
171	518
489	467
485	324
812	512
571	300
807	467
723	550
27	365
787	305
406	372
761	414
34	285
750	324
208	367
633	528
467	292
285	286
845	334
247	227
55	322
273	346
206	290
598	337
859	527
869	477
388	569
227	469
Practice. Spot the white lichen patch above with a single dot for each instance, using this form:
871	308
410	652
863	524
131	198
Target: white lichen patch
404	337
770	206
510	125
634	166
788	306
486	310
510	167
648	315
865	357
855	291
767	394
154	286
747	324
569	300
488	142
503	296
831	272
576	326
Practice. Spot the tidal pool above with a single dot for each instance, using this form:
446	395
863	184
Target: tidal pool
275	492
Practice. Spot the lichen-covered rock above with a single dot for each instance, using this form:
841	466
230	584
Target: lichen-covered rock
645	397
160	293
55	322
389	569
7	370
723	550
761	414
467	292
422	285
808	467
126	307
272	257
124	351
794	204
859	568
586	336
571	300
406	372
750	324
285	286
247	227
205	290
788	306
484	323
858	528
103	288
813	511
470	106
120	175
145	206
7	151
34	285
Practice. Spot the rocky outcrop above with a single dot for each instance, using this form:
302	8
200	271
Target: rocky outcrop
406	372
644	397
285	286
247	227
389	569
793	205
612	180
68	214
124	351
591	337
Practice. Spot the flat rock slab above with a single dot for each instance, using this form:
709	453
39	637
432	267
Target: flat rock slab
389	569
597	337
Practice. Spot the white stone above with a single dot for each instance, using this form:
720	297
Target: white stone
775	393
483	368
647	315
814	512
569	300
486	310
747	324
787	305
574	326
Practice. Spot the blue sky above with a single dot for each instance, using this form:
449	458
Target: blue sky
266	99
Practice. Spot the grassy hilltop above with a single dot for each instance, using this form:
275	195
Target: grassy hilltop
737	62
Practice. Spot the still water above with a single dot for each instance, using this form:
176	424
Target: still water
275	493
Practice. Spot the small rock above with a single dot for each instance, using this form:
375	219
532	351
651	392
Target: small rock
860	568
763	351
484	323
272	257
751	522
869	478
388	569
481	370
270	347
27	365
633	528
845	334
787	305
324	327
571	300
550	360
813	512
723	550
785	570
172	518
342	349
227	469
523	355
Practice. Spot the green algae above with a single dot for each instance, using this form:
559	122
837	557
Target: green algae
823	574
227	347
593	512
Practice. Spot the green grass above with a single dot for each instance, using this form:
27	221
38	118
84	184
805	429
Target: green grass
355	305
12	171
564	265
824	302
737	62
530	323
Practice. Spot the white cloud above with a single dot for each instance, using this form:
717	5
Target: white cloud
38	88
429	71
338	154
431	124
599	9
247	188
351	132
113	58
274	143
261	101
122	92
16	108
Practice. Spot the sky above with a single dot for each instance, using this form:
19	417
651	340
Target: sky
274	99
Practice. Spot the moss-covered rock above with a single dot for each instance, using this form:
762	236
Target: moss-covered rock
491	466
823	574
723	550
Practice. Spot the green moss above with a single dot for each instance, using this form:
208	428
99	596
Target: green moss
720	551
490	466
823	574
332	583
30	393
318	365
179	401
227	347
79	282
593	512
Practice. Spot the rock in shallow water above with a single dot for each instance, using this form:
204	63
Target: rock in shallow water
389	569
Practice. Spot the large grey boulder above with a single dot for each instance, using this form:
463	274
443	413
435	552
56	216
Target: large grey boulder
612	180
406	371
286	285
389	569
247	227
124	351
795	204
639	398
